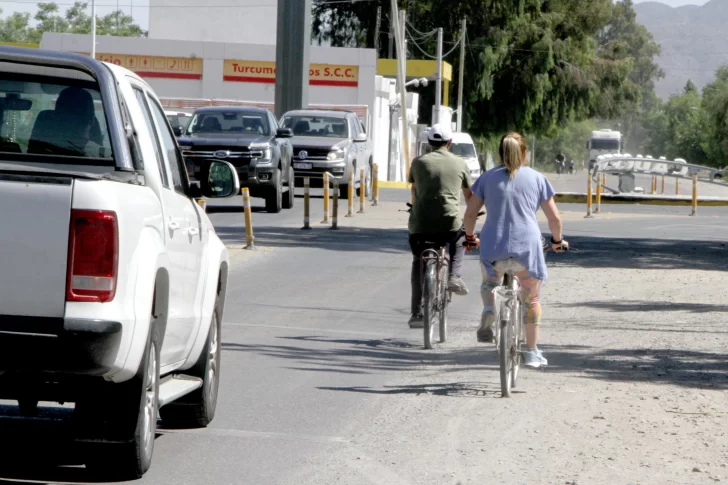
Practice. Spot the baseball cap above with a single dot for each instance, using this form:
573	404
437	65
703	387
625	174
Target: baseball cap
439	133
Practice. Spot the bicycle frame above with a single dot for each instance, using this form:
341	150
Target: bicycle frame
439	256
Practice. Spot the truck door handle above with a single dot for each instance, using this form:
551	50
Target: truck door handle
174	224
194	231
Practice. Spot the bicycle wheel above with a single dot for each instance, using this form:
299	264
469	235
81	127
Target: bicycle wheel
506	361
444	300
430	301
518	335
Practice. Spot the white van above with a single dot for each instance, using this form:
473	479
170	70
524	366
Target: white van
462	146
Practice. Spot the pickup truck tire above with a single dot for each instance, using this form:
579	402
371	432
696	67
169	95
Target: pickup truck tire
136	401
290	197
197	409
274	198
343	191
28	407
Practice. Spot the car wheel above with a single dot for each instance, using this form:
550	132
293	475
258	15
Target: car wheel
28	407
290	197
134	403
343	191
197	409
274	199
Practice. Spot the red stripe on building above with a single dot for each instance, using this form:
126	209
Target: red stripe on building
324	82
168	75
249	79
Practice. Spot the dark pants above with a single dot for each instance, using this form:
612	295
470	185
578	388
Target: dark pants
420	242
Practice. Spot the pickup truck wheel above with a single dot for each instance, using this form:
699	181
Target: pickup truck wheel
28	407
138	403
290	197
197	409
343	191
274	199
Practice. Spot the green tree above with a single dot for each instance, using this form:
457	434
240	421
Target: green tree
533	65
16	28
715	107
49	20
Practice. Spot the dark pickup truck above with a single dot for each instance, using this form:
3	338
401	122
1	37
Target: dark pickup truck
248	138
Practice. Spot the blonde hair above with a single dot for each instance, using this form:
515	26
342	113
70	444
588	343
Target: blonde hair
512	152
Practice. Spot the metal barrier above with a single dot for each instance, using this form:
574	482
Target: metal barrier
326	198
362	190
350	194
375	185
695	195
335	213
248	219
306	203
588	196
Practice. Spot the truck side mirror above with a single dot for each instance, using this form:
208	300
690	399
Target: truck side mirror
220	180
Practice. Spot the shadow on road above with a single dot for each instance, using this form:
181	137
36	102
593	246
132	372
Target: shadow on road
629	253
345	239
621	306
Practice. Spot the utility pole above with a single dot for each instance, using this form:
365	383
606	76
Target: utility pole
399	35
438	87
293	45
533	151
392	30
377	30
93	29
461	75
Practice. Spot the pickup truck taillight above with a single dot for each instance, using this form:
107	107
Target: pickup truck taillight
93	249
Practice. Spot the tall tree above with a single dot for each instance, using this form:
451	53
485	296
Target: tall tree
534	65
715	106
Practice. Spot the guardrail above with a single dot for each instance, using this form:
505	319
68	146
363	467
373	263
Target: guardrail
653	167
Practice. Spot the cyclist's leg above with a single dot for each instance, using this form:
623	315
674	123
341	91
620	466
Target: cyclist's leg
530	290
415	242
456	250
491	280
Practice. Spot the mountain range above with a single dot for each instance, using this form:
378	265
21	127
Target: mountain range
693	38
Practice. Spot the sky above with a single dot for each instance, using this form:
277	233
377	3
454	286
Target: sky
139	9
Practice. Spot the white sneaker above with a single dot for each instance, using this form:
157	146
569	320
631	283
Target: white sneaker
533	358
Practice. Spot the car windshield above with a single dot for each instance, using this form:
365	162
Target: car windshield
318	126
179	121
465	150
604	144
52	116
229	122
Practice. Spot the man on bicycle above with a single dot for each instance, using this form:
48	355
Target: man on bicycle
437	180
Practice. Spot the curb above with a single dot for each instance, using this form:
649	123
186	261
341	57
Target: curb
575	198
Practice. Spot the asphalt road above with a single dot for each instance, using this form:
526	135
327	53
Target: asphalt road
310	319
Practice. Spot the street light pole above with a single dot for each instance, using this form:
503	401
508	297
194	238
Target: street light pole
438	87
293	42
93	29
461	76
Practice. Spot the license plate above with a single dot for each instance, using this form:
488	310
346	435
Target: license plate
305	166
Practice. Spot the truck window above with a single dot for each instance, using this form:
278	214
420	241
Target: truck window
602	144
464	150
176	167
53	116
142	99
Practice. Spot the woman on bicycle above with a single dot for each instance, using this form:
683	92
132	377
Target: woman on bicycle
511	238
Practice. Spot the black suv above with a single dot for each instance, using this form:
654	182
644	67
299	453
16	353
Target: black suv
329	141
250	139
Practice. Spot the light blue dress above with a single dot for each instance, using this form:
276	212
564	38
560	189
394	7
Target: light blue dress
511	229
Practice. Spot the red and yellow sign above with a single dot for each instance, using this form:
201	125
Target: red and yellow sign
155	66
265	72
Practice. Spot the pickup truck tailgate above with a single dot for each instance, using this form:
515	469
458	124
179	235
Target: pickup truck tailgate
34	219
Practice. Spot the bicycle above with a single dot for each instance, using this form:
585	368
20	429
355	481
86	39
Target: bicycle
509	332
435	275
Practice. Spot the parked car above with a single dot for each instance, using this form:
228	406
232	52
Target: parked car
329	141
179	121
250	139
112	279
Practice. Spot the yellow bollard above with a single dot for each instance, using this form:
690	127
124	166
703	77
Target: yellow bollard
306	203
653	185
663	185
695	194
375	185
326	198
588	195
599	194
248	219
202	203
351	194
335	214
362	190
677	186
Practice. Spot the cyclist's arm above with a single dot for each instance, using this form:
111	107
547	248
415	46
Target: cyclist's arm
471	213
552	214
468	194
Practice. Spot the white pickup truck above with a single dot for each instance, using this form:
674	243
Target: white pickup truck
112	279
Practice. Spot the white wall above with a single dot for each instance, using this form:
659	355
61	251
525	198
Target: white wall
244	21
